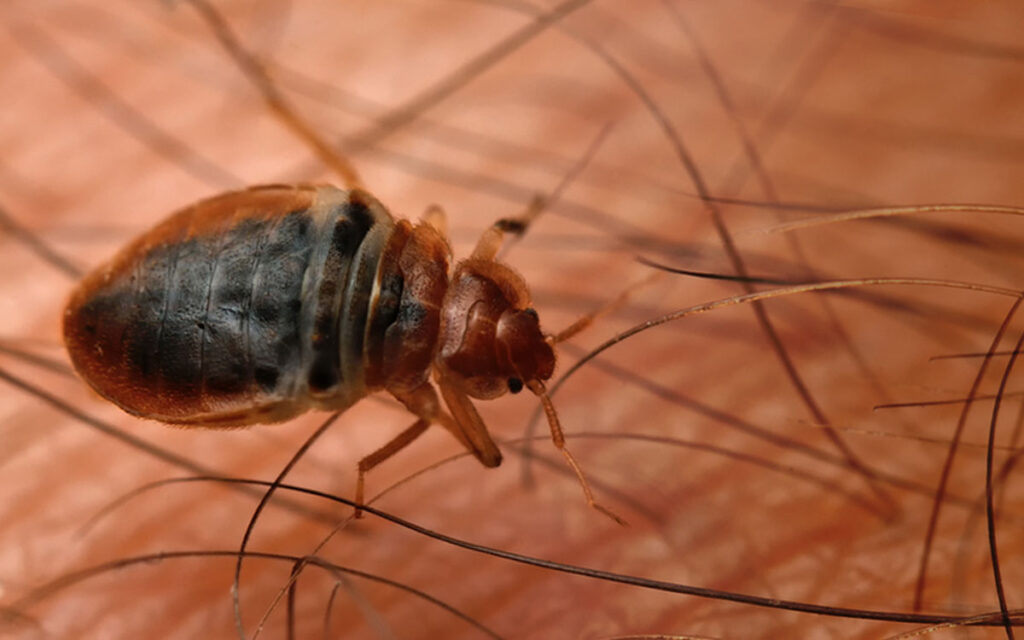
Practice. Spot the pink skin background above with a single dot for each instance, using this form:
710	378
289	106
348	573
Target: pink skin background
117	113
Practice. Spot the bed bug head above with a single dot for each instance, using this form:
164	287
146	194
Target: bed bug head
491	342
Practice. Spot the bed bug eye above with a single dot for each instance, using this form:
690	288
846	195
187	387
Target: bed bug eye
515	385
532	312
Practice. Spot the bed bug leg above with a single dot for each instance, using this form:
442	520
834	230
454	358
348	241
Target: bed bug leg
491	241
398	443
467	426
435	217
423	402
558	438
517	334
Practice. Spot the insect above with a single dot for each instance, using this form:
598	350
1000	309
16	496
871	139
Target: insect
255	306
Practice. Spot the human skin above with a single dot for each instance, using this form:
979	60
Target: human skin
118	114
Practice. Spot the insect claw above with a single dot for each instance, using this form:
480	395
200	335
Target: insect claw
611	514
514	226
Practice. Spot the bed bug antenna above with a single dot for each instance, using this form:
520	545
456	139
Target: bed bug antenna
558	438
209	320
584	322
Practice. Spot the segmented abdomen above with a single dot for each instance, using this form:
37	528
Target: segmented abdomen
248	307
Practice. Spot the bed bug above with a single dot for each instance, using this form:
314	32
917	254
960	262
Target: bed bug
255	306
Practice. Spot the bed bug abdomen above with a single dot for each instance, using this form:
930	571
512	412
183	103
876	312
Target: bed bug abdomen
231	312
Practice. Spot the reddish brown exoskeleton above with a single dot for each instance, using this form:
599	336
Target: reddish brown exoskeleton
258	305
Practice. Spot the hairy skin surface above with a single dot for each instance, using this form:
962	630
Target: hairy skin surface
118	114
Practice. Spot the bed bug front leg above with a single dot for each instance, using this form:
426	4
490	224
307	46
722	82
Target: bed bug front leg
466	424
423	403
492	343
494	238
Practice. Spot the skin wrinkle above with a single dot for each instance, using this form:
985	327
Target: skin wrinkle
721	522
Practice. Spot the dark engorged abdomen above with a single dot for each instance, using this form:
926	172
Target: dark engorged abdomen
216	314
229	312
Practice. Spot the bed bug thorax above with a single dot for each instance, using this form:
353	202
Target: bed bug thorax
255	306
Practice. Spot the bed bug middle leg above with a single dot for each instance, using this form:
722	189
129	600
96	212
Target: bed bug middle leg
436	218
423	403
396	444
